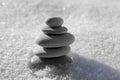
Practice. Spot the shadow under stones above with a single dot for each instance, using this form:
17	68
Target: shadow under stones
74	67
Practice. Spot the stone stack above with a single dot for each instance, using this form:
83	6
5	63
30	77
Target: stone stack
54	41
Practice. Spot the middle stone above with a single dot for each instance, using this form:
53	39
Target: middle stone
54	30
49	40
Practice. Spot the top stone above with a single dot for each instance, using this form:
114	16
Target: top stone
54	22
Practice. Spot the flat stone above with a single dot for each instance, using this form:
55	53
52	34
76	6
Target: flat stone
50	41
54	22
58	30
51	52
57	61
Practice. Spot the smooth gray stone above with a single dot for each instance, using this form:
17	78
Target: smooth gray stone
50	41
50	30
51	52
54	22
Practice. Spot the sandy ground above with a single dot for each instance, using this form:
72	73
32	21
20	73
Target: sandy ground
95	54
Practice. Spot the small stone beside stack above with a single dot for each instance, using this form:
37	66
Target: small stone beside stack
55	41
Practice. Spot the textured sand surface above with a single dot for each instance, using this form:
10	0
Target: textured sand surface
94	23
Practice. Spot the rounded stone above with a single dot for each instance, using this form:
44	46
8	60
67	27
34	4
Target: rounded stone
58	30
52	52
35	59
50	41
54	22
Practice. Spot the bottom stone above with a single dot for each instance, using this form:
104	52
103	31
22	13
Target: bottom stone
37	61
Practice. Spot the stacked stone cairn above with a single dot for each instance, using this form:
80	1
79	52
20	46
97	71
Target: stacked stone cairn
55	41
